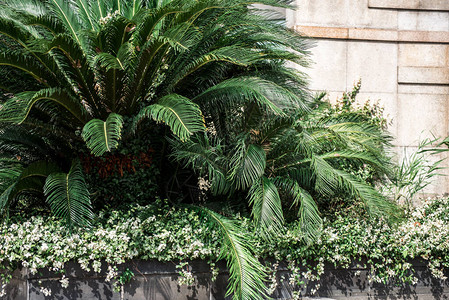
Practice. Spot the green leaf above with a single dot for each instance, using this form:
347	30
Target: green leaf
17	109
102	137
267	94
247	165
68	196
267	207
246	273
182	116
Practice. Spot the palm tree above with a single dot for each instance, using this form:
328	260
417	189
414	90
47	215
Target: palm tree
102	69
290	161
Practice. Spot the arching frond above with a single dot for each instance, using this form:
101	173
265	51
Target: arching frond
310	222
247	165
267	94
68	196
205	158
266	207
103	136
182	116
246	274
17	109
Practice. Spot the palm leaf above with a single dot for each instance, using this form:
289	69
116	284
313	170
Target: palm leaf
310	222
247	165
68	196
246	274
243	90
17	109
200	155
101	137
182	116
267	207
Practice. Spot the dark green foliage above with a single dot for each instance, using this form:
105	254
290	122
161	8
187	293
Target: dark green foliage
134	98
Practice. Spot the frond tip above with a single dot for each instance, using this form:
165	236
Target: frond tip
246	273
102	137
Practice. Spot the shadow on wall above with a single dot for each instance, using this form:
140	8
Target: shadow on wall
159	281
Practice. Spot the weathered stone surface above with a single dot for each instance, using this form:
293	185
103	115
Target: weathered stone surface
410	4
423	55
361	17
333	13
372	34
331	68
441	37
420	75
423	89
375	63
423	21
369	34
421	116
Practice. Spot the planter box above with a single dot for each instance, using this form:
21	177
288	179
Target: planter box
155	280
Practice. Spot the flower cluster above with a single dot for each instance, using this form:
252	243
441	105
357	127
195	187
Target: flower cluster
167	234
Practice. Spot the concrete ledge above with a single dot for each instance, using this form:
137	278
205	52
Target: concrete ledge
423	75
154	280
438	5
368	34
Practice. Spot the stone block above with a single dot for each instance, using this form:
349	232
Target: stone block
421	116
360	16
372	34
323	32
423	55
375	64
423	89
423	75
324	13
328	69
423	21
441	37
439	5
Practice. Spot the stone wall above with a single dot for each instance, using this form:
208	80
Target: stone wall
400	50
158	281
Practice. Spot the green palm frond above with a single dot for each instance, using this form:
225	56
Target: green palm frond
329	179
10	170
246	274
17	109
310	222
205	158
68	196
66	13
5	197
182	116
103	136
266	207
268	95
247	165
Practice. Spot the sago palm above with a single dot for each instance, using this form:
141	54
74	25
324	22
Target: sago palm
288	161
104	70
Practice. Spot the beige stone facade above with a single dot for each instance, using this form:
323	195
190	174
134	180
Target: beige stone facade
400	50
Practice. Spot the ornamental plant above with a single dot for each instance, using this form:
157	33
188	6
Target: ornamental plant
112	86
